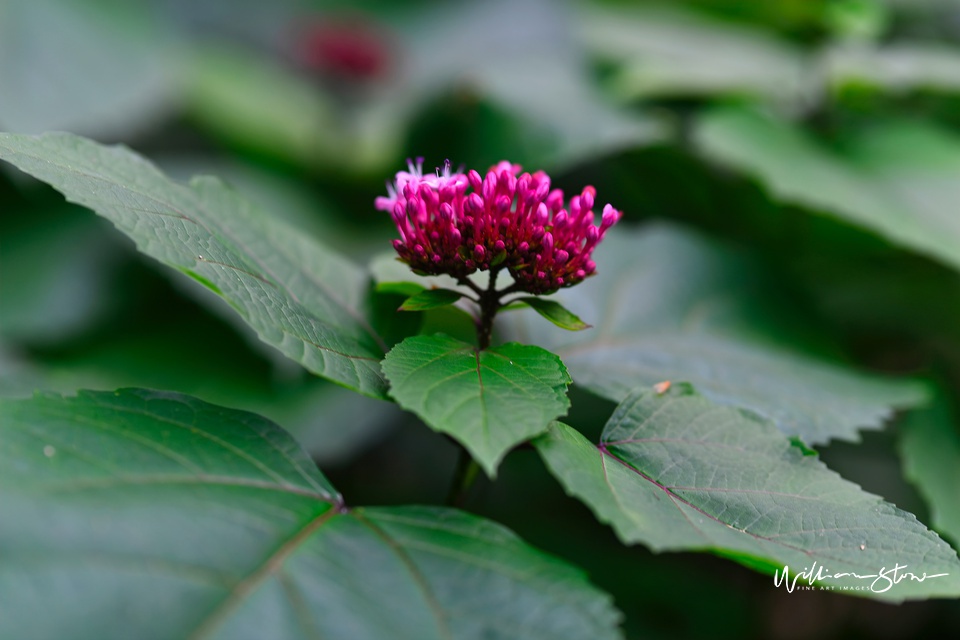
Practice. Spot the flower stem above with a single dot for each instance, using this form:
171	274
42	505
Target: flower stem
488	300
489	304
463	478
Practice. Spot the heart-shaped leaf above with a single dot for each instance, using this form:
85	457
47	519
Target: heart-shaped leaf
141	514
674	471
489	400
298	295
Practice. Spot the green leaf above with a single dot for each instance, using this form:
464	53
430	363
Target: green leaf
252	101
400	288
674	471
792	166
930	448
673	306
667	52
57	271
488	400
430	299
107	70
897	68
896	179
299	296
554	312
914	166
491	46
155	515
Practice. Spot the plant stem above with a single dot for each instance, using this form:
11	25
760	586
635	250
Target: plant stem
489	304
463	478
488	300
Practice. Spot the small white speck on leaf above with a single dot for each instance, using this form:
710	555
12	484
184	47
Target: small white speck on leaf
862	547
49	451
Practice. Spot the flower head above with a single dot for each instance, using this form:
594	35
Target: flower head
509	219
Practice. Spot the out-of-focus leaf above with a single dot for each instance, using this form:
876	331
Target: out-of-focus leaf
930	448
677	53
489	400
260	105
793	167
671	306
430	299
915	166
857	20
55	275
264	105
898	179
83	67
298	295
155	515
521	54
195	354
898	68
674	471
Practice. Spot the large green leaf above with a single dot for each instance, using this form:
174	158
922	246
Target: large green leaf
899	67
94	67
263	105
140	514
668	52
915	166
57	270
515	52
489	400
930	448
299	296
898	179
674	471
669	305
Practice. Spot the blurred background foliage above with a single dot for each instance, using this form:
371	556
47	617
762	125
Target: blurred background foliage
819	138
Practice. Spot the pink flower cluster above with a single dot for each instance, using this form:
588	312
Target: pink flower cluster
455	223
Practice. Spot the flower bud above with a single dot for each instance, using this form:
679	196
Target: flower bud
475	180
610	216
542	215
587	197
474	204
489	186
548	243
